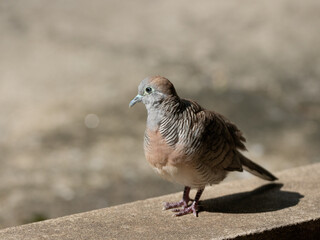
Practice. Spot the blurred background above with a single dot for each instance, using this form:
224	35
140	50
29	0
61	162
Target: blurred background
68	69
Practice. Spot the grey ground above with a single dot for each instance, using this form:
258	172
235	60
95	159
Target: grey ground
258	63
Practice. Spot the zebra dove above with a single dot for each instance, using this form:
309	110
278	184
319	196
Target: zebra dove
188	144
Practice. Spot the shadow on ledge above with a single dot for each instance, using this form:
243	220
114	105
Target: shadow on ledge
266	198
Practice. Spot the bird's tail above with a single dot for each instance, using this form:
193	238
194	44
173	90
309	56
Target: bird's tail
255	169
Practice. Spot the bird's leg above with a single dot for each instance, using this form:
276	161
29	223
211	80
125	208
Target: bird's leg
184	202
193	208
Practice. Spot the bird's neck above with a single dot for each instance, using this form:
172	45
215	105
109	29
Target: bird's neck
158	112
154	118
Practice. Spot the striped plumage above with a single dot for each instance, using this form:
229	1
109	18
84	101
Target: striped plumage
188	144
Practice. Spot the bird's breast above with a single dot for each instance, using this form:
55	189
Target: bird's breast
158	153
169	162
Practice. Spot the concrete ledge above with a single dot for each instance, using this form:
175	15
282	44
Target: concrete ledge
246	209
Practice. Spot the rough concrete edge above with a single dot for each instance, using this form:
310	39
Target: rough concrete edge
77	215
308	229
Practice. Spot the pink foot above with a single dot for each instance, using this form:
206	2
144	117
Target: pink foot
170	205
193	208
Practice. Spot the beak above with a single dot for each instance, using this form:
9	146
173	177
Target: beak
137	99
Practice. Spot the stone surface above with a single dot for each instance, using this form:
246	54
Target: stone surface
245	209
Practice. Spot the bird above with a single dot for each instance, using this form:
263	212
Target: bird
188	144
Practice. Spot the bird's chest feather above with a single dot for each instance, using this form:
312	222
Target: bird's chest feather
166	160
157	151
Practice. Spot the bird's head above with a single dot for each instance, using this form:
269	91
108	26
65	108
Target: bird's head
152	91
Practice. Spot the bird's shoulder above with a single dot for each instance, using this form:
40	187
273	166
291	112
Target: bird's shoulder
191	120
215	124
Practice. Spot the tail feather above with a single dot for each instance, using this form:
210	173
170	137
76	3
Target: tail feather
255	169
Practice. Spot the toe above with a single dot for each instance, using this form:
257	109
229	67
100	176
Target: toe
169	205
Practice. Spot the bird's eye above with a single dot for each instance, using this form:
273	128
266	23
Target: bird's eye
148	89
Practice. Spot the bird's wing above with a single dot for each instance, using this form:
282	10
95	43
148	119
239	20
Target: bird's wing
234	132
222	139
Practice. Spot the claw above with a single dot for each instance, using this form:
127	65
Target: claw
191	209
184	203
